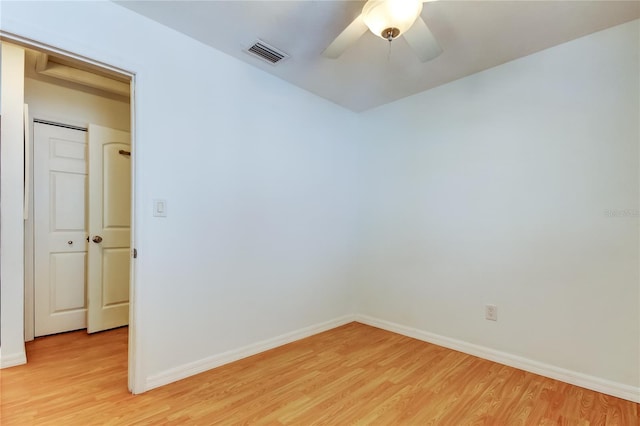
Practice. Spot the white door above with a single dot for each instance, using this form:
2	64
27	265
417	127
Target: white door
109	228
60	179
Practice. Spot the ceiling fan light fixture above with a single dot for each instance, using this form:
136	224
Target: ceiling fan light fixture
389	18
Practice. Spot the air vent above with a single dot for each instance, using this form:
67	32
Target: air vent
267	53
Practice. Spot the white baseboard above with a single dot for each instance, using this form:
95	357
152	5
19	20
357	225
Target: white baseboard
192	368
597	384
11	360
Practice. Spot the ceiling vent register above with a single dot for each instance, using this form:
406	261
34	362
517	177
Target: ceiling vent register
267	53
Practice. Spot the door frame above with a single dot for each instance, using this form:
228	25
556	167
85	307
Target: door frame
29	224
135	377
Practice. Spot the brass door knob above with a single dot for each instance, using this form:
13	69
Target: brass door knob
97	239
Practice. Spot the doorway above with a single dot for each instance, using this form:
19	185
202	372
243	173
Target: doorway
60	101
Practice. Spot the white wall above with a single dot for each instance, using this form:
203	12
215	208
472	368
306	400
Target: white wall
62	103
11	206
495	189
57	102
258	179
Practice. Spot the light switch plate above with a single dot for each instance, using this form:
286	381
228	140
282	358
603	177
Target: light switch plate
160	208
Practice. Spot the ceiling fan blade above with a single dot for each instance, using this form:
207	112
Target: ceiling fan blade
346	38
422	41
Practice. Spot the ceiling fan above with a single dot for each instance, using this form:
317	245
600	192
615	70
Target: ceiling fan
389	19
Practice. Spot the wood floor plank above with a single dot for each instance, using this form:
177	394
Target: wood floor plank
353	374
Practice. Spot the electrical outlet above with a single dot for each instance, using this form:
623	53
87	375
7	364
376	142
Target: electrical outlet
491	312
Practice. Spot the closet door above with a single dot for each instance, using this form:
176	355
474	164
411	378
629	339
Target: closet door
60	220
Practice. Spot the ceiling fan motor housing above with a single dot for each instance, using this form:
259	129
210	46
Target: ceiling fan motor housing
390	33
390	18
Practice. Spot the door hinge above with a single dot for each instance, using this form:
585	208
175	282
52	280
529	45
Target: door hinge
135	253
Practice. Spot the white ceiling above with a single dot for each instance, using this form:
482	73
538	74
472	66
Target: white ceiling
475	35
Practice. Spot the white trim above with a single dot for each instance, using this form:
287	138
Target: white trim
597	384
32	43
12	360
27	161
29	266
195	367
136	377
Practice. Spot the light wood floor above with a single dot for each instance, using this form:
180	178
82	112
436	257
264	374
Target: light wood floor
354	374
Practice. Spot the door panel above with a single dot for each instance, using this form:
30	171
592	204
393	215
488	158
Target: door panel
109	218
115	272
60	179
70	269
117	189
67	202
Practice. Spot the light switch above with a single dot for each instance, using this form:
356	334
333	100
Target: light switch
160	208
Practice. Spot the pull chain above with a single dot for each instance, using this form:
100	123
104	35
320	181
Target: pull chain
390	33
